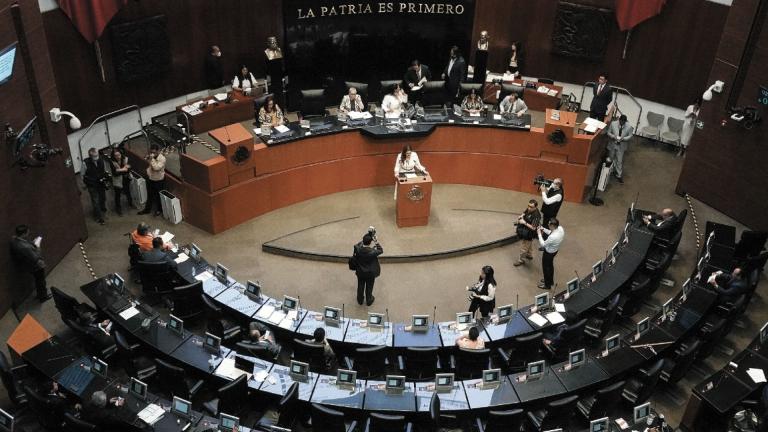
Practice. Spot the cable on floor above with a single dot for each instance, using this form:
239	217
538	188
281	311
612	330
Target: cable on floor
85	258
695	221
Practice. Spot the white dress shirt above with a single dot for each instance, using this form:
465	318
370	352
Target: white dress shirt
518	107
392	106
553	199
491	291
552	243
247	83
411	164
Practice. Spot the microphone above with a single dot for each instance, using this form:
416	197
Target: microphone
386	314
342	313
298	307
434	314
227	132
577	277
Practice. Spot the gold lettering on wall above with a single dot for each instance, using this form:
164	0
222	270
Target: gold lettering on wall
408	8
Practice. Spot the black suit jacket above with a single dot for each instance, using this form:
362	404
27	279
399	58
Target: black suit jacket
26	254
214	75
104	418
412	78
601	100
368	260
458	74
94	172
731	289
156	255
665	229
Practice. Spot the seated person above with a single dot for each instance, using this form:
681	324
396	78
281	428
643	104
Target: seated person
243	80
661	225
351	102
553	339
393	102
472	103
260	335
100	413
729	287
56	398
330	356
158	254
270	114
512	104
470	340
142	237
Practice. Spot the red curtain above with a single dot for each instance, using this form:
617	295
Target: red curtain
91	16
630	13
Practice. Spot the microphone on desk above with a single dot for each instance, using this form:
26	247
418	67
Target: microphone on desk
227	132
386	314
342	313
578	279
298	306
434	314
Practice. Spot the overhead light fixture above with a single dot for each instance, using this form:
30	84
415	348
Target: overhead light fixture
716	87
57	114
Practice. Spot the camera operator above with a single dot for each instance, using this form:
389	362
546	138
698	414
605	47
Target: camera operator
526	230
365	256
550	247
552	199
156	183
96	179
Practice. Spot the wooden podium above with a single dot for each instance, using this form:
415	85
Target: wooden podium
414	198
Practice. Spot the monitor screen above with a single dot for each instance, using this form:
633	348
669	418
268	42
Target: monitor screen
228	423
420	320
221	272
666	307
573	285
195	251
686	286
299	368
7	59
641	412
253	288
612	343
289	303
464	318
597	268
6	421
180	406
212	342
346	376
138	388
491	376
117	281
331	313
541	300
576	358
99	367
505	311
615	250
395	382
444	379
599	425
175	324
643	325
536	368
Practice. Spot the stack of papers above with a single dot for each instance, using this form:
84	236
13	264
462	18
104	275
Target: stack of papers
192	110
490	77
220	96
276	317
552	92
757	375
204	276
559	307
181	258
266	311
129	313
167	237
543	89
592	125
354	115
151	414
227	369
508	77
538	320
261	375
282	128
555	318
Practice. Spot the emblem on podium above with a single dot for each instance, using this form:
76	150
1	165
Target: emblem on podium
415	194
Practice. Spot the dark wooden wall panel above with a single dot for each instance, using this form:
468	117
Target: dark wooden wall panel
669	55
35	196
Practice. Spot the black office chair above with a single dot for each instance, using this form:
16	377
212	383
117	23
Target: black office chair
174	381
230	398
525	349
288	410
185	302
658	260
602	403
641	387
466	88
387	423
434	94
470	363
258	103
711	333
605	316
253	350
228	330
131	356
502	421
369	362
96	342
11	379
312	103
556	413
74	424
46	413
570	338
640	289
507	89
329	420
436	418
362	89
675	367
156	277
70	308
419	364
732	311
310	352
546	81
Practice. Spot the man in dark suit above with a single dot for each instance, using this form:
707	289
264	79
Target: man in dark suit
729	286
96	179
602	94
416	76
158	254
100	413
662	225
214	75
28	255
454	74
366	255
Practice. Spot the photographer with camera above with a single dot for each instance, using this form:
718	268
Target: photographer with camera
97	179
552	194
550	246
526	227
482	295
365	262
156	181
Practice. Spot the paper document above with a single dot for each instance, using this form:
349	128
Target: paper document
276	317
543	89
261	375
37	241
220	96
555	317
204	276
151	414
227	369
286	324
292	315
757	375
167	237
266	311
497	116
257	131
559	307
591	128
129	313
416	88
538	320
181	258
552	92
282	128
489	77
597	123
354	115
410	175
508	77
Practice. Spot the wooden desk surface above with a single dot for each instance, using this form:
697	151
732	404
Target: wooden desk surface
29	333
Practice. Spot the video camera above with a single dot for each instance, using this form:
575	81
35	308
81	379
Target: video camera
372	231
540	180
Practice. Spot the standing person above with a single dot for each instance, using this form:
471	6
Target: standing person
156	183
28	255
483	293
527	224
415	77
367	268
514	60
551	245
620	133
602	95
481	58
691	114
454	74
552	199
407	162
96	179
121	181
214	74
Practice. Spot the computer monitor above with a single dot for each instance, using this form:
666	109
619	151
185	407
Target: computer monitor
394	384
181	407
597	269
253	290
611	343
289	303
463	320
420	322
641	412
535	369
444	382
764	333
615	251
6	421
576	358
221	273
176	325
195	252
332	316
245	364
643	326
504	313
7	59
491	377
665	308
228	423
375	320
299	371
346	378
573	286
99	367
117	282
599	425
687	286
212	343
541	300
138	389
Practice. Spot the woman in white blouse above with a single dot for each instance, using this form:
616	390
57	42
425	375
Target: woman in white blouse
394	101
691	114
244	80
483	293
407	162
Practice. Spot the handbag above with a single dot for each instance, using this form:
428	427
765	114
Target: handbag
352	262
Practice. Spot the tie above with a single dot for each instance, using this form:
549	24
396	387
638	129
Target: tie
600	89
419	74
